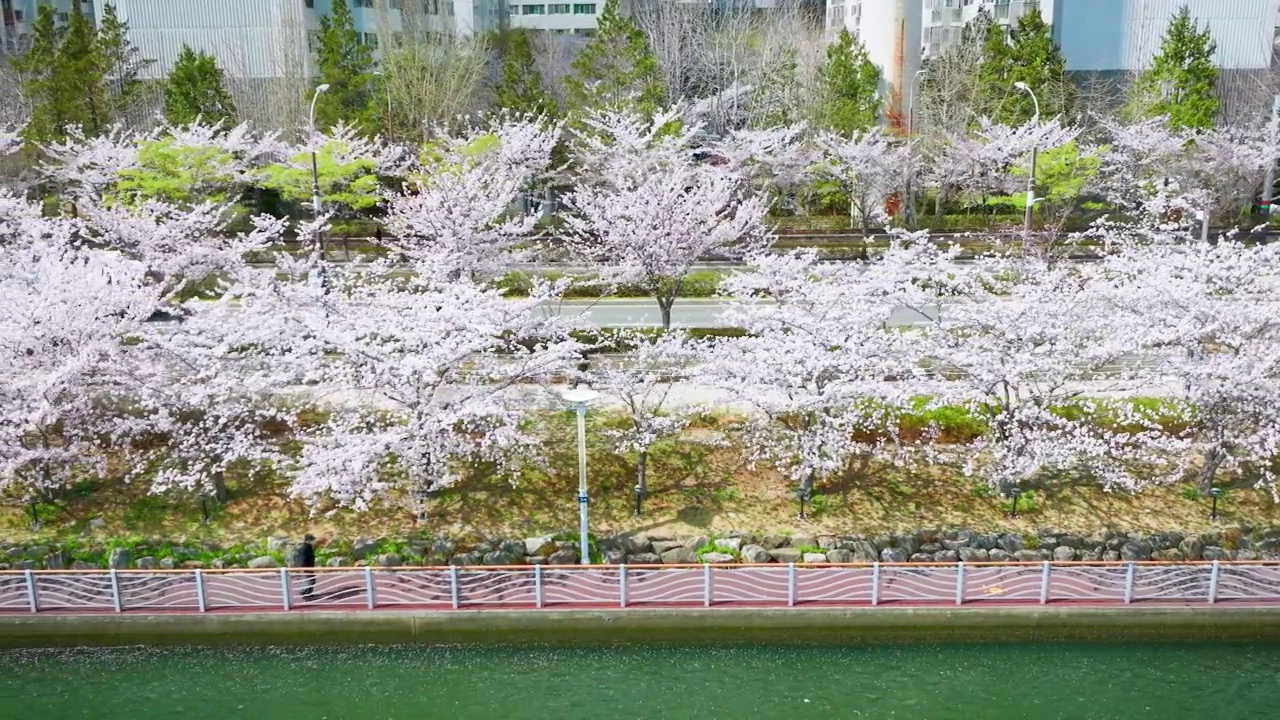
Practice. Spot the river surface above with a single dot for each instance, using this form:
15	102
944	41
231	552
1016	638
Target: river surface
915	682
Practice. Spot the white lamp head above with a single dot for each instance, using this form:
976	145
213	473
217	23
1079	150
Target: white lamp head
579	394
322	88
1021	85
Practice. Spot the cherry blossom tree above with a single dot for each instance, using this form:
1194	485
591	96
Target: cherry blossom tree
619	148
458	207
423	372
867	167
992	160
642	382
776	161
178	164
1212	312
1040	353
818	364
180	247
200	400
653	218
65	315
90	165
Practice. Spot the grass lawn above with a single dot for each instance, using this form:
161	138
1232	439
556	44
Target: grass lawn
697	487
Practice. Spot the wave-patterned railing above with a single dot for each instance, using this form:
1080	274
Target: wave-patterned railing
597	586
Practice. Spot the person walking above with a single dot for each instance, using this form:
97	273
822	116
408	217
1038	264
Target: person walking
308	561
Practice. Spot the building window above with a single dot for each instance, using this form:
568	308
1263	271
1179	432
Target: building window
371	39
533	10
63	17
364	3
558	9
584	8
17	16
311	4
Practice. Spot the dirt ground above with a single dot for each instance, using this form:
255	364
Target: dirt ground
696	488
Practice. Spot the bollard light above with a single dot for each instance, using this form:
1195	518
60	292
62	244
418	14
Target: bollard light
1015	493
1214	492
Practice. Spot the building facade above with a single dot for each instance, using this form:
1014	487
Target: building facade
890	30
1118	35
18	16
942	20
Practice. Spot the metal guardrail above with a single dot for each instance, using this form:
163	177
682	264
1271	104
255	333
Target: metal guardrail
624	586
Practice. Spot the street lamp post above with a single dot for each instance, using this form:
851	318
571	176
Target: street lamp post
315	169
579	397
317	274
1031	180
911	134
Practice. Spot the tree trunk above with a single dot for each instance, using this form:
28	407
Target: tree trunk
806	490
642	462
664	307
1213	459
220	487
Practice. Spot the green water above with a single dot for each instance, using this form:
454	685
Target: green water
970	682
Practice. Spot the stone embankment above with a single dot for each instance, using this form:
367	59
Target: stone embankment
928	545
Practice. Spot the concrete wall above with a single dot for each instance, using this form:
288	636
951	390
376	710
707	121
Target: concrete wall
837	626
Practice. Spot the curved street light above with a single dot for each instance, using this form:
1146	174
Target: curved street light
1031	179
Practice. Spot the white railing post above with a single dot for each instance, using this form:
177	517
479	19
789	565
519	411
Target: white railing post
791	584
370	591
1213	583
1128	584
537	585
706	585
31	591
959	583
1044	584
200	590
622	585
453	585
115	591
875	583
284	587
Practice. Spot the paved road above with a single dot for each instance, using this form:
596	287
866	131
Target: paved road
687	312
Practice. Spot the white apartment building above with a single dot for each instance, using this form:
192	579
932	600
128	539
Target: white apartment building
943	20
1118	35
890	30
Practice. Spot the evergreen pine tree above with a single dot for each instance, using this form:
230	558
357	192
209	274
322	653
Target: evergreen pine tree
1182	77
123	64
519	87
195	89
994	73
616	68
1037	61
346	66
61	74
81	72
848	87
36	72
